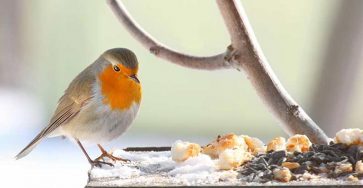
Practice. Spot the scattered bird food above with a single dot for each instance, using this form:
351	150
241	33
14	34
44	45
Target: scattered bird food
241	160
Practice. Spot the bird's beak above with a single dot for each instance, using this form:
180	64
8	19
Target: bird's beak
134	77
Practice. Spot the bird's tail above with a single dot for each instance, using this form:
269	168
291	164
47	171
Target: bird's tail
30	146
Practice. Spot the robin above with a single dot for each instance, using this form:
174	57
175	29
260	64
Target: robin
98	105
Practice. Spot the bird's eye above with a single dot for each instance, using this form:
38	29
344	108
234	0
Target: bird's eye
116	68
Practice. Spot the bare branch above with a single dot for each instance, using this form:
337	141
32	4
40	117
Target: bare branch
249	57
244	53
162	51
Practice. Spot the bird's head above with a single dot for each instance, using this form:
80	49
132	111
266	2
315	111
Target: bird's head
121	63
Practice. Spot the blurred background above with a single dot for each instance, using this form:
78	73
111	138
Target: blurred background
314	47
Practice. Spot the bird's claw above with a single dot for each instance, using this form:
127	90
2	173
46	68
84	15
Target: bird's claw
110	156
98	163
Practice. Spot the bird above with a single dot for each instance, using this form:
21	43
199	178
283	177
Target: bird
98	106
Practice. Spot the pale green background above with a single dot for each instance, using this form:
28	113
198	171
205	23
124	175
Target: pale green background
61	37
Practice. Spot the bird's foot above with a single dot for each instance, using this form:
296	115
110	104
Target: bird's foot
110	156
98	163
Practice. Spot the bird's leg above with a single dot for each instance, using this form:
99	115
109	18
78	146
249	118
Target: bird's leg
108	155
92	162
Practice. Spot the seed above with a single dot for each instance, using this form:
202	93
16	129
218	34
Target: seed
290	165
282	174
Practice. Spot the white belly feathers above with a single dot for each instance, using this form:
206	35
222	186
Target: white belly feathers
97	123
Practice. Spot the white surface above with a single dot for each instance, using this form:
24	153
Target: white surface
60	163
157	168
193	169
61	166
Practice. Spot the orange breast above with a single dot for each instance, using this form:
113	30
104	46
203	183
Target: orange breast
118	90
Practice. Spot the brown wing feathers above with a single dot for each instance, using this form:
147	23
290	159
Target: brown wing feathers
63	116
78	93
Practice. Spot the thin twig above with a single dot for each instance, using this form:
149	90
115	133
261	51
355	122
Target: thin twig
163	51
244	53
250	58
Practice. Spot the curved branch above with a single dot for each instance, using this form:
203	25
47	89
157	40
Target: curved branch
249	57
162	51
244	53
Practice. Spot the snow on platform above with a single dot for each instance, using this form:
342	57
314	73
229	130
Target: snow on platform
153	168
